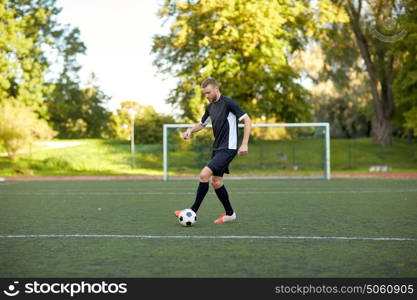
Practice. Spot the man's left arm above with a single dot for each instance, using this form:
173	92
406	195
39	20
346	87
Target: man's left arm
246	133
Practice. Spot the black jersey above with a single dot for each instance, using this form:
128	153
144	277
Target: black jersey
224	115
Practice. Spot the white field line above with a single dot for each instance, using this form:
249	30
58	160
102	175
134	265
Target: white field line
270	237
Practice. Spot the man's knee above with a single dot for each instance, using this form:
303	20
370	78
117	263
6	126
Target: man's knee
216	182
205	175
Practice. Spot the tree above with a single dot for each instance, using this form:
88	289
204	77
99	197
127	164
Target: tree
78	112
22	70
339	93
405	82
369	27
22	65
375	33
245	44
379	65
148	123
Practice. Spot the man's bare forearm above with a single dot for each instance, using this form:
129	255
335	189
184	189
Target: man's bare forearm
197	127
246	130
189	131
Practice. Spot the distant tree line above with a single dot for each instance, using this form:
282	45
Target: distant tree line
358	56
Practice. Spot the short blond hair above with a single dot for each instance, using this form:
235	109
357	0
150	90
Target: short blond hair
208	81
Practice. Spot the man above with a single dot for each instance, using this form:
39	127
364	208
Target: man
224	113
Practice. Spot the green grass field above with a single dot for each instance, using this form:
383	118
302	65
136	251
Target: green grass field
291	211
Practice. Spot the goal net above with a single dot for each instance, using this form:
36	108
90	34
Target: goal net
276	151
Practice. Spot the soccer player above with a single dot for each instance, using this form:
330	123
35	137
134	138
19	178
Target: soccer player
224	114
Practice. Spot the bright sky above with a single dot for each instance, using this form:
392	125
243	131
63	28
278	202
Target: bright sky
118	36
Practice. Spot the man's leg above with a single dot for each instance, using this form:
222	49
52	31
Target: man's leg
203	187
221	192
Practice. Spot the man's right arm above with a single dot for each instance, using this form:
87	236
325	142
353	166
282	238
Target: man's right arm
197	127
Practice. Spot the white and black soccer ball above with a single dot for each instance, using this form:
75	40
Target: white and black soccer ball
187	217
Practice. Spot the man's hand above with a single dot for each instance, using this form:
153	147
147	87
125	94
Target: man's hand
243	149
186	135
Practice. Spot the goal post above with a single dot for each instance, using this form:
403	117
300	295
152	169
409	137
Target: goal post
276	151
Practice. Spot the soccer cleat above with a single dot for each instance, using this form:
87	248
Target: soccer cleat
225	218
177	212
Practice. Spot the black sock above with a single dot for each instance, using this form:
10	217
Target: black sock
202	190
224	199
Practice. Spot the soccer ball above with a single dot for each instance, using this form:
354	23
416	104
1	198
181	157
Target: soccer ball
187	217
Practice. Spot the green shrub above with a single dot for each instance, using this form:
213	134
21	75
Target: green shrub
19	126
57	162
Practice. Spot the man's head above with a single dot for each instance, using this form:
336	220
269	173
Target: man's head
211	89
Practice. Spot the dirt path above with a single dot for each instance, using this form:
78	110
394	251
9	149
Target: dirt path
39	146
376	175
391	175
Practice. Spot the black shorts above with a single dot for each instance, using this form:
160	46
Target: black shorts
220	160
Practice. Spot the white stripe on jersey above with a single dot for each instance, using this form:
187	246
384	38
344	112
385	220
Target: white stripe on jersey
206	121
240	119
231	119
